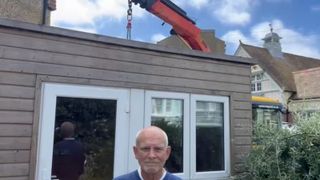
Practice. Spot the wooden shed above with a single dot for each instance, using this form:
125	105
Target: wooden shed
45	72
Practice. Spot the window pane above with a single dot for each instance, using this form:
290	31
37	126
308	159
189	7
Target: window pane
260	76
253	87
259	87
269	117
168	115
209	136
95	128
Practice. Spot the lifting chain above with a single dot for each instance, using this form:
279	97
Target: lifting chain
129	18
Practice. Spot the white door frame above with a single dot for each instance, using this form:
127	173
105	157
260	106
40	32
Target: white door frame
49	94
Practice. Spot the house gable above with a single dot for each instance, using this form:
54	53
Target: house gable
280	69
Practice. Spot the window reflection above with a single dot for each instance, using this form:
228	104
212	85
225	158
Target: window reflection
95	120
168	115
209	136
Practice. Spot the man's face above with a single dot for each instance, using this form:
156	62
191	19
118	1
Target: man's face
151	152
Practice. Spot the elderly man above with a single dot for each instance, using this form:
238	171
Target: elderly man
151	151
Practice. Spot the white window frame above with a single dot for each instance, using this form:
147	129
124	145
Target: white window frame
189	136
255	81
186	144
210	174
50	92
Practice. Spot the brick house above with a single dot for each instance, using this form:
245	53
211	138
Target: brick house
307	99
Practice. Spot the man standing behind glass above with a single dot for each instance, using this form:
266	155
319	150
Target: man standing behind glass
68	155
151	151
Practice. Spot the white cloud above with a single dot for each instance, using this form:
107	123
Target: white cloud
157	37
80	12
198	3
73	12
292	41
233	12
192	3
232	39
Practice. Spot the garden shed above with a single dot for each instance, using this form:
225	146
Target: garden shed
110	88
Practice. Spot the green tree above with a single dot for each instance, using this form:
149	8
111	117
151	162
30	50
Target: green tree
286	154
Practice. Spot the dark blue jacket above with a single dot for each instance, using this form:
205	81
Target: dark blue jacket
134	175
68	160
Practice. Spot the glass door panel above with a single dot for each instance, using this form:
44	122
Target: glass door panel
169	111
168	115
100	115
95	121
209	136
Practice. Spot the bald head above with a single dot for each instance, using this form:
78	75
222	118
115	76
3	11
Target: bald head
67	129
151	132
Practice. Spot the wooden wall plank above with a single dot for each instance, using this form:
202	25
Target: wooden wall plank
124	66
16	104
119	84
14	130
242	140
15	178
245	131
14	169
17	79
243	149
16	117
242	96
242	114
128	54
15	156
242	123
119	76
14	143
242	105
16	91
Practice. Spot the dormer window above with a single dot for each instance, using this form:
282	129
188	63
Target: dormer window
256	82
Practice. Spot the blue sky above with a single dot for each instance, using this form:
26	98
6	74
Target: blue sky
296	21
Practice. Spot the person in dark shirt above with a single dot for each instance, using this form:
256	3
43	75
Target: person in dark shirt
68	155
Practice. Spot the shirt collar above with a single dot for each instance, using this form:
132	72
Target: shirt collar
162	177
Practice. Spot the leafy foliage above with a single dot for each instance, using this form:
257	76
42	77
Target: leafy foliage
286	154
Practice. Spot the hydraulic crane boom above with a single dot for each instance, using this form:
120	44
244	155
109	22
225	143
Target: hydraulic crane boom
178	19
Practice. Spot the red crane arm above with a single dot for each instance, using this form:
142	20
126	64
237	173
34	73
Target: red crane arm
177	18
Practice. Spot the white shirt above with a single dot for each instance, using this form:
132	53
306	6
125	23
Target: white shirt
162	177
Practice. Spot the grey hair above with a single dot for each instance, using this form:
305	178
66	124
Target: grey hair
166	141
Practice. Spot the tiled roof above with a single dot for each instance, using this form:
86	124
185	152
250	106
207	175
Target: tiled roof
280	69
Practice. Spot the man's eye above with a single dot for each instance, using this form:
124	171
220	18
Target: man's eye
145	149
158	149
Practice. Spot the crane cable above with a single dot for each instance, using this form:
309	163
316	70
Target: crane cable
129	19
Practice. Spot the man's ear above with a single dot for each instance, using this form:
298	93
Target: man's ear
135	151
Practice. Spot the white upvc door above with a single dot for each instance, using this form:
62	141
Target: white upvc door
50	92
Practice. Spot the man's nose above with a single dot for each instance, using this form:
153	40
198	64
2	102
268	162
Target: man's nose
152	153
